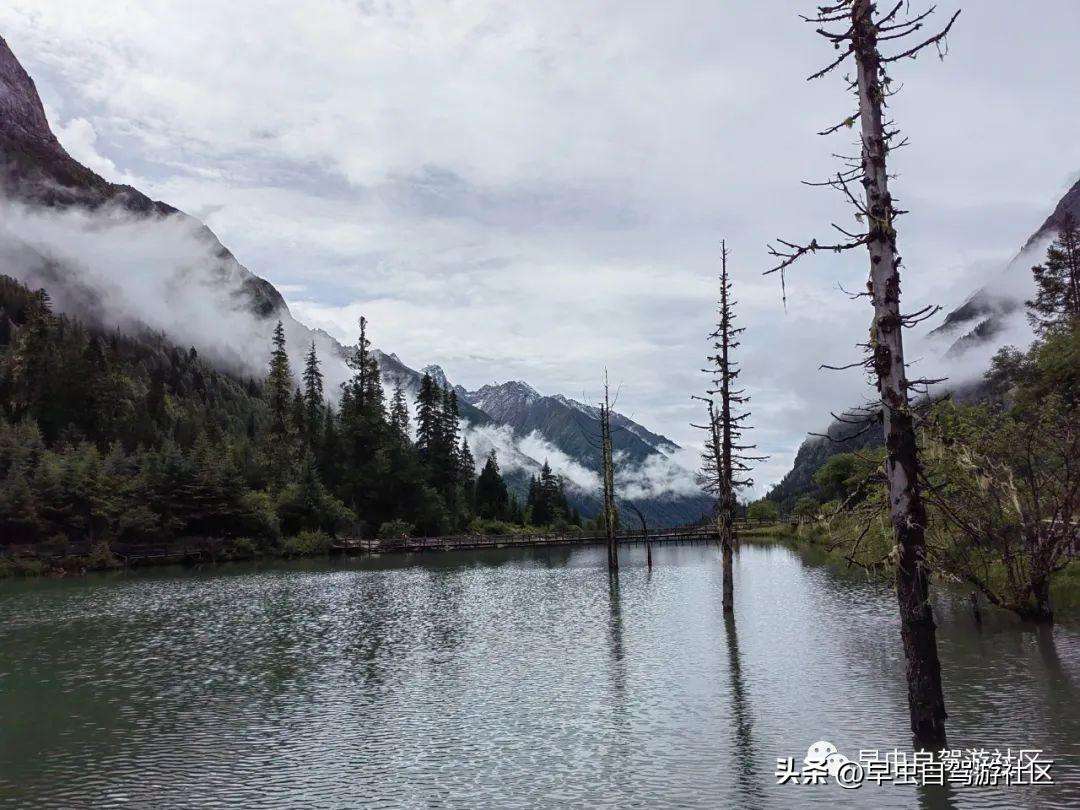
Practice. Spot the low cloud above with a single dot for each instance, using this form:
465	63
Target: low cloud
118	269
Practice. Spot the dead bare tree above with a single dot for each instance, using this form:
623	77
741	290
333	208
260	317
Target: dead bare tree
644	533
726	465
607	474
861	30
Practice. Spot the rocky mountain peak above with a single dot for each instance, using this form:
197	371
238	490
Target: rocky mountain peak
22	115
437	375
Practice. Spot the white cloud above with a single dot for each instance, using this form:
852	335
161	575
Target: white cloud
79	137
537	190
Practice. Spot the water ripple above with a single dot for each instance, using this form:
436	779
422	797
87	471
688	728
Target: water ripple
514	678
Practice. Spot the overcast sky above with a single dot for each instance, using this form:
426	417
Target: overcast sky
537	190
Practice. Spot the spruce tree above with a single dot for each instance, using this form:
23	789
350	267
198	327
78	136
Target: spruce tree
491	494
449	461
1057	281
279	384
427	418
544	497
399	414
466	468
313	395
365	386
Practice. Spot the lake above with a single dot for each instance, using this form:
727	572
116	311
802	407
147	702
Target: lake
512	678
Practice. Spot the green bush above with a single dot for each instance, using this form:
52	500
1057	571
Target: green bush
763	511
307	504
21	567
101	557
242	548
395	530
306	543
1065	588
260	519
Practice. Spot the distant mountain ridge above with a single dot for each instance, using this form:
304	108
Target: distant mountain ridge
570	427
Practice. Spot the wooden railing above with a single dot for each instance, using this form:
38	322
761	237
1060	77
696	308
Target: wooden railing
472	541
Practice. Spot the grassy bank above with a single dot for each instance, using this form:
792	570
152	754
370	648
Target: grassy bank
66	560
763	530
1064	586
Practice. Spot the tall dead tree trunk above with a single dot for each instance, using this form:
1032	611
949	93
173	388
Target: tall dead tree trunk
727	497
860	41
908	514
607	472
726	462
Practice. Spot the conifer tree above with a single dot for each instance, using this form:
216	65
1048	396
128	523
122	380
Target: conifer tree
359	361
449	462
399	414
875	38
313	395
466	470
279	384
607	477
726	463
427	418
491	496
363	425
1057	282
546	497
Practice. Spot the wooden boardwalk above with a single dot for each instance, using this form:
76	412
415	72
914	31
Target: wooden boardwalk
460	542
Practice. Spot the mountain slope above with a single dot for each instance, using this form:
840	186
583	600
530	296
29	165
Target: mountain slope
37	169
571	426
978	321
984	314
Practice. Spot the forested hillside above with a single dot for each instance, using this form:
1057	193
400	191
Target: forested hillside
112	442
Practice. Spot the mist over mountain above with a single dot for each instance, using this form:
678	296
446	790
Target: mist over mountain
993	316
120	260
988	312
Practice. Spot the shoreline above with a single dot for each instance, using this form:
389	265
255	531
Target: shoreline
36	561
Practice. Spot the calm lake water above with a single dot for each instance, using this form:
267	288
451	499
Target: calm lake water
498	679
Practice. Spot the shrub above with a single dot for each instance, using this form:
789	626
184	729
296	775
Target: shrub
306	543
100	557
307	504
20	567
395	529
241	548
763	511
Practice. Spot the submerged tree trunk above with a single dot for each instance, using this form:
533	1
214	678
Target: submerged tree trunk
726	460
1042	610
925	699
973	598
645	535
608	474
